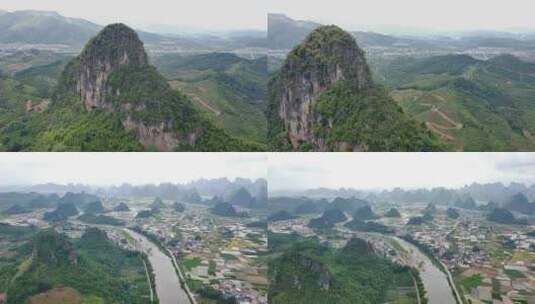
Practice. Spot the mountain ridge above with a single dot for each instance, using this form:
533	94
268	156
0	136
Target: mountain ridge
324	99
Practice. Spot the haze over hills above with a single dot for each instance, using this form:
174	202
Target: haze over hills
41	28
221	187
285	33
496	192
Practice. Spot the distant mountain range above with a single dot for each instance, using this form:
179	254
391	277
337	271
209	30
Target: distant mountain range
495	192
221	187
44	27
48	27
285	33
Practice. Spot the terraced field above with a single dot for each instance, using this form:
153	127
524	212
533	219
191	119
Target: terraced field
472	105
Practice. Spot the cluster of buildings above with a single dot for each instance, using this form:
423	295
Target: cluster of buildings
298	225
501	257
225	251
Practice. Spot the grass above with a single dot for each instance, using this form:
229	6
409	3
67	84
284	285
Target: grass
494	108
514	274
64	295
523	255
93	300
397	246
191	263
228	257
471	282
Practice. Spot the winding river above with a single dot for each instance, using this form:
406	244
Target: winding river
167	283
435	281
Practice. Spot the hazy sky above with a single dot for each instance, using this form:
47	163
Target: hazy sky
203	14
234	14
135	168
369	171
441	15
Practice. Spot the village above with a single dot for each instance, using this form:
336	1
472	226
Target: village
490	263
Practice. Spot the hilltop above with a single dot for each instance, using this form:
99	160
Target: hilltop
90	269
307	272
324	99
109	98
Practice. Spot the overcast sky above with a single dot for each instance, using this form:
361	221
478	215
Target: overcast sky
118	168
432	15
371	171
251	14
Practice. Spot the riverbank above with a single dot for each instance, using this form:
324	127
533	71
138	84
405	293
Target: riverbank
182	278
169	289
441	266
433	278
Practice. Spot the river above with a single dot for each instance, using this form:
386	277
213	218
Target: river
438	290
167	283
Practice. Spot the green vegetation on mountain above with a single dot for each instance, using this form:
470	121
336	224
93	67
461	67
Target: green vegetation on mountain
466	203
324	99
242	197
473	105
92	267
349	205
193	197
95	207
62	212
452	213
417	220
90	218
144	214
42	77
503	216
393	212
367	226
229	89
328	219
178	207
347	116
307	272
16	202
122	207
131	108
519	203
16	209
364	213
282	215
157	203
224	209
80	200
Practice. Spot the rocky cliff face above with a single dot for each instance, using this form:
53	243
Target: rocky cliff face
113	74
114	46
324	99
324	278
53	249
327	55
